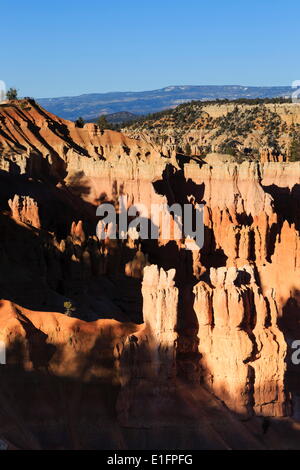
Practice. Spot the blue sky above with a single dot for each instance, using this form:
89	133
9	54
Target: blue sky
69	47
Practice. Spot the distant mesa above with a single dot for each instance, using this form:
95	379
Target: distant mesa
92	105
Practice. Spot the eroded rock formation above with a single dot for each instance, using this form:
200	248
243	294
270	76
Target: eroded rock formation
242	348
146	316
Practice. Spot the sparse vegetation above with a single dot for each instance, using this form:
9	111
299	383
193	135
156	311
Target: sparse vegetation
69	308
187	112
12	94
243	127
103	123
187	149
295	147
79	122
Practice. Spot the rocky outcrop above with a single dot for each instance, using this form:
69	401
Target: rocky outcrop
39	144
62	346
153	349
25	209
268	155
243	350
249	131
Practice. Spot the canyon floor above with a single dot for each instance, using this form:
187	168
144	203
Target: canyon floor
40	411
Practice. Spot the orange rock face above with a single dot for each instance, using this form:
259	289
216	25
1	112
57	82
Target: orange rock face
242	348
60	345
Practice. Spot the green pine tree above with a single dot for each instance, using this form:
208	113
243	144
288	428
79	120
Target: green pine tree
12	94
295	148
103	123
79	122
69	308
187	149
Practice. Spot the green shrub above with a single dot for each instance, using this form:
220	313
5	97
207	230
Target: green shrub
79	122
295	148
12	94
69	308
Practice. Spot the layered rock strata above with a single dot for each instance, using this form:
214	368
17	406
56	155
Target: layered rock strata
224	315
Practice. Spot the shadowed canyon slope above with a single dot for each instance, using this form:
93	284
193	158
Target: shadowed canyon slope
94	329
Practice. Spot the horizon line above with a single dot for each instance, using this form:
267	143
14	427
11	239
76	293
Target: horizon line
163	88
